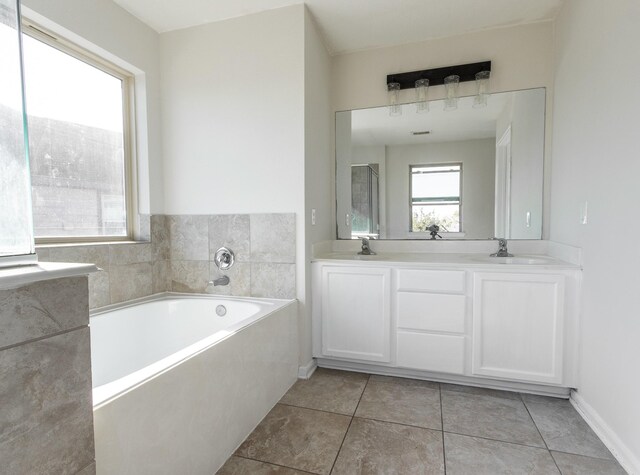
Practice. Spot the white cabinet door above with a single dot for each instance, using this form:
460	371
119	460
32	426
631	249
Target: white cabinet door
356	313
518	322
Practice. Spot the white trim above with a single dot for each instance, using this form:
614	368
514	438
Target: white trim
620	451
306	371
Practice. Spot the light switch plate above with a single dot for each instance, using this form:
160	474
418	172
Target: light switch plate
313	216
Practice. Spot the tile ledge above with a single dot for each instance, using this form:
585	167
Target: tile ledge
12	277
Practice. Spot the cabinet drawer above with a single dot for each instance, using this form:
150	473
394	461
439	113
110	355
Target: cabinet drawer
441	353
431	312
431	280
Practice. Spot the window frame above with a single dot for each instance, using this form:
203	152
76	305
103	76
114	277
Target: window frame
428	165
53	40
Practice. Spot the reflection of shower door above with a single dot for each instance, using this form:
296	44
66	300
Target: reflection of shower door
365	207
503	186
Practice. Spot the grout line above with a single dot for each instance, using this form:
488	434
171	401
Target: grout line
45	337
271	463
540	433
444	454
313	409
497	440
349	427
593	457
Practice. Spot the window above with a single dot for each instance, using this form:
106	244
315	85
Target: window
435	196
80	160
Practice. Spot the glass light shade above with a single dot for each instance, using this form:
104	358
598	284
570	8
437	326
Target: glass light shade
482	85
422	92
451	84
393	96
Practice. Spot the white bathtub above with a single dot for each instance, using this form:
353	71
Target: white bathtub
177	387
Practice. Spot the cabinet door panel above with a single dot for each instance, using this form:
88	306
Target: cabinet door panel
518	322
356	316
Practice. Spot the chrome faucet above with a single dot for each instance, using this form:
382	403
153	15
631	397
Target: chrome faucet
366	250
502	249
224	280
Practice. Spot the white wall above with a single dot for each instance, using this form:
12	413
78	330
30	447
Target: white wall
477	158
318	160
595	159
104	28
522	114
521	58
245	110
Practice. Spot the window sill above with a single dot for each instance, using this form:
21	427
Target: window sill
87	243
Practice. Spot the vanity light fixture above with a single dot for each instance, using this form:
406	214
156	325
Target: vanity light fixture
451	84
422	80
422	91
482	87
393	95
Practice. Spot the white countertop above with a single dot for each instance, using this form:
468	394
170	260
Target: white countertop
16	276
520	261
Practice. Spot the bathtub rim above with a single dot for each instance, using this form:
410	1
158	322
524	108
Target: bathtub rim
108	392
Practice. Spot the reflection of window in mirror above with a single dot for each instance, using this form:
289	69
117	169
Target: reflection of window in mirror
435	196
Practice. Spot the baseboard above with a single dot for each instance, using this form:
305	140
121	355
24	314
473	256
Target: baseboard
540	389
305	372
620	451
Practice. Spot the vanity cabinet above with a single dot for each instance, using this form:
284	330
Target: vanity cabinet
505	326
518	326
356	321
430	319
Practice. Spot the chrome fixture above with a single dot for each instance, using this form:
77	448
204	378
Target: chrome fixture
224	259
366	250
451	84
221	310
393	95
482	87
502	249
224	280
422	93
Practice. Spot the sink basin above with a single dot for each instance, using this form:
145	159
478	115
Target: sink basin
516	260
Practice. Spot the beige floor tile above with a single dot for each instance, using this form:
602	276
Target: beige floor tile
472	455
571	464
241	466
373	447
562	427
402	401
298	438
328	390
494	415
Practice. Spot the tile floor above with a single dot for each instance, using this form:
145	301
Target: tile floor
339	422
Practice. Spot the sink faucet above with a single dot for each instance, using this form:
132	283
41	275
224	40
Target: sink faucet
366	250
502	249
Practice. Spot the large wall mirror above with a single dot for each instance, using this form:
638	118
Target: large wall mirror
475	173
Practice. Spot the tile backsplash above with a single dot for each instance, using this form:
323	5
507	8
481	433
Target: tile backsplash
179	258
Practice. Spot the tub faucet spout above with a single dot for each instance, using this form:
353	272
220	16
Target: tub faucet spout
224	280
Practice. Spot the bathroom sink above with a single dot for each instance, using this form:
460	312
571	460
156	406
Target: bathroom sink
516	260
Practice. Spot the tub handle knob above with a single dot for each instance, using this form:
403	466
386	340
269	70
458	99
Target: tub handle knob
224	258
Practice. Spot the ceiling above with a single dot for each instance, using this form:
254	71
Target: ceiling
352	25
375	127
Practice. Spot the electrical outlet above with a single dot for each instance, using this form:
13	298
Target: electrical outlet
313	216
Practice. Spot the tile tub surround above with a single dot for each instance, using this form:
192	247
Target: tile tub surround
433	427
180	255
46	421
